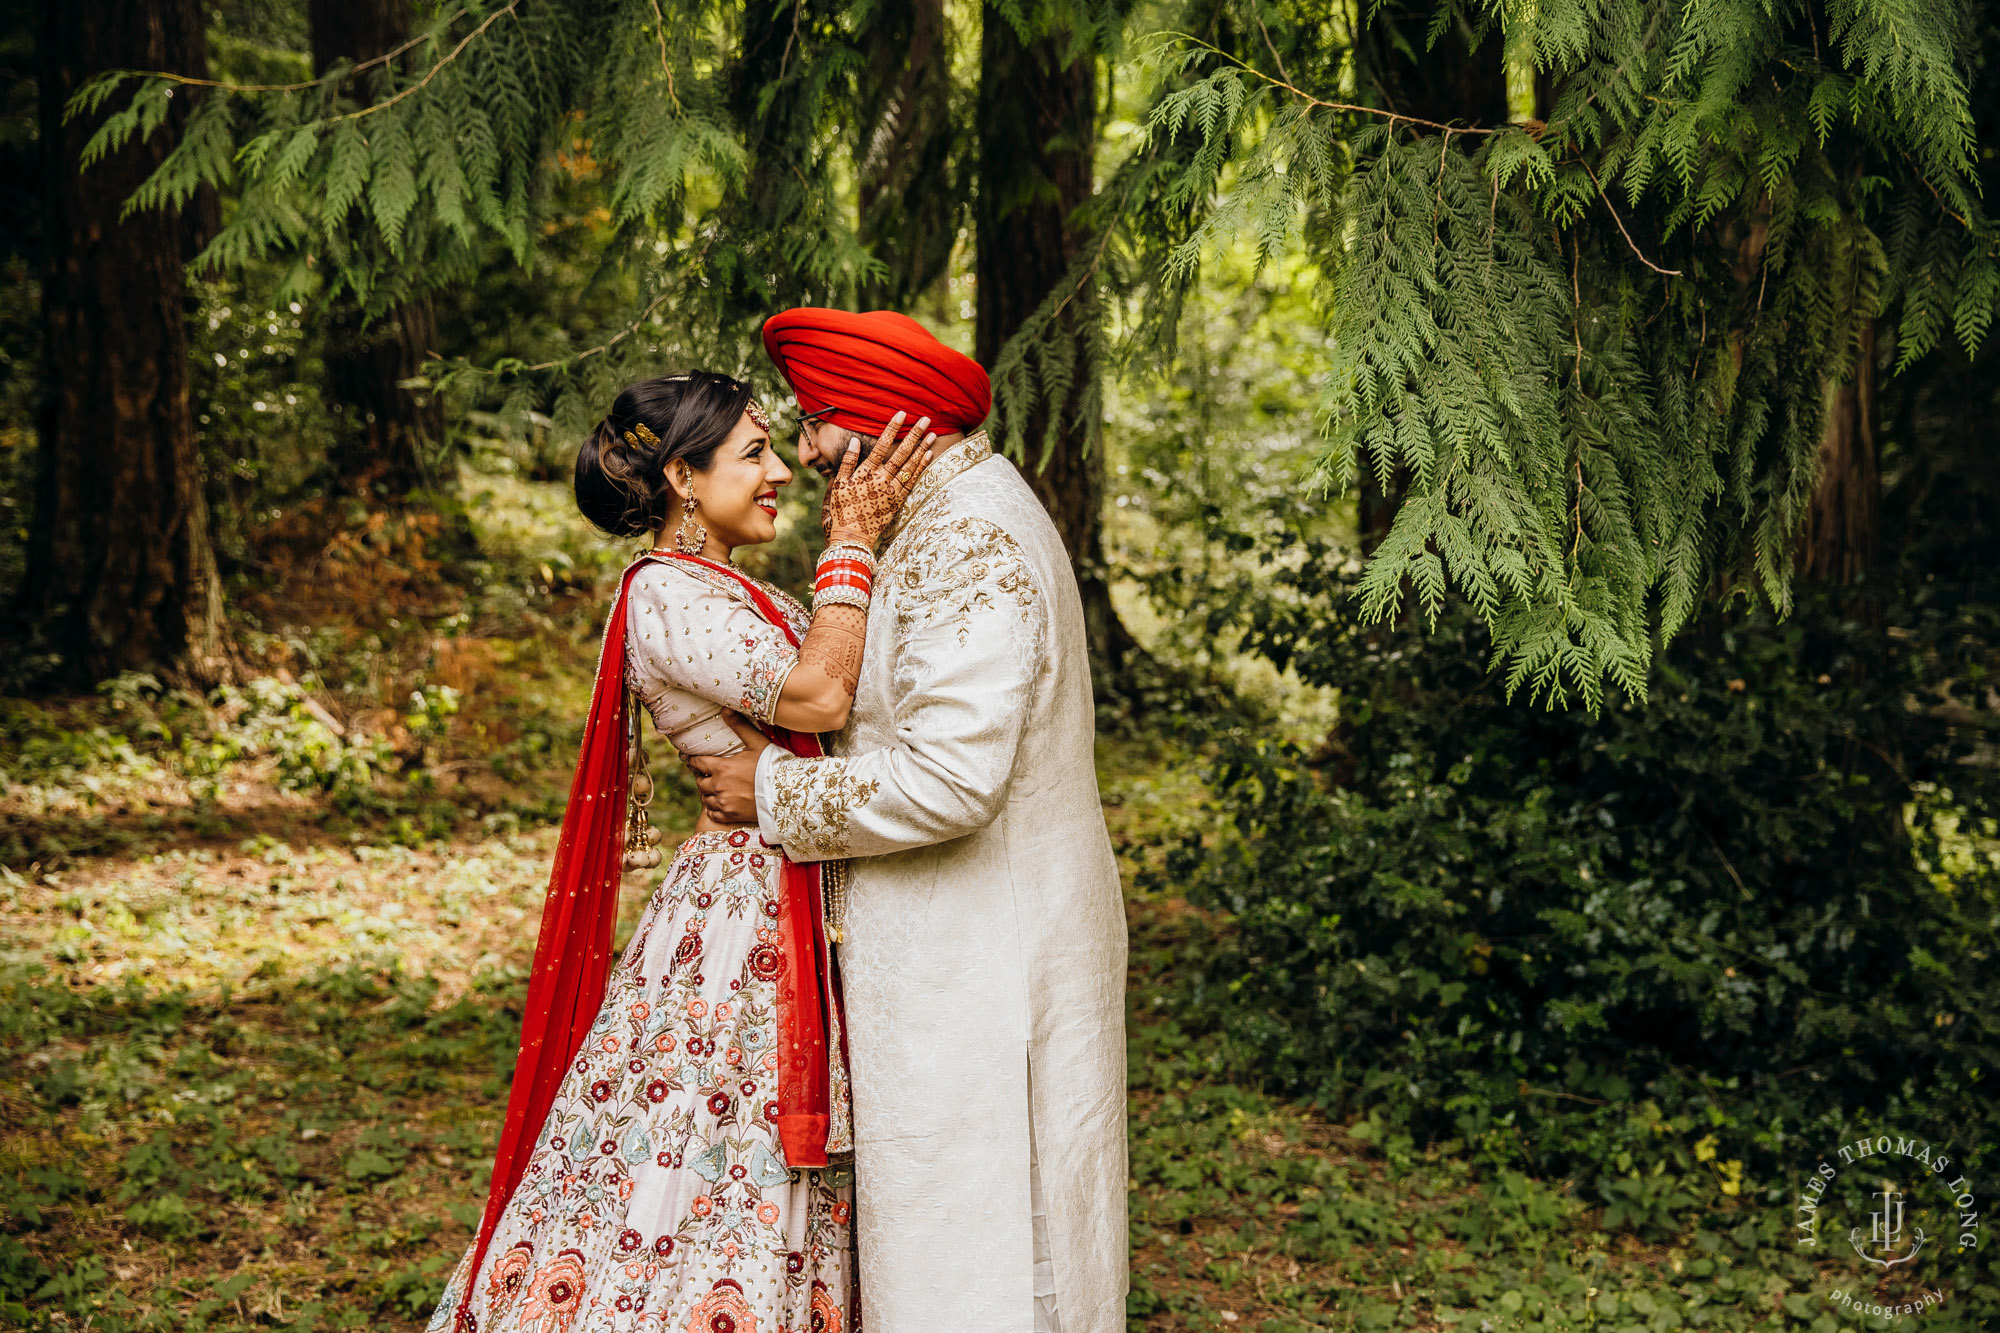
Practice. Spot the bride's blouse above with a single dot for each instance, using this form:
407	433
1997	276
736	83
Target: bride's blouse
695	645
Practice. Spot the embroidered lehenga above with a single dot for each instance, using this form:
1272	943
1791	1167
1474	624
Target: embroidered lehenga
660	1190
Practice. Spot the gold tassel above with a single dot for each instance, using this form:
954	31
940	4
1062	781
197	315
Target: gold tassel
642	840
833	899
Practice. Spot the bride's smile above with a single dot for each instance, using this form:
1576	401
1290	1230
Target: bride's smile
736	495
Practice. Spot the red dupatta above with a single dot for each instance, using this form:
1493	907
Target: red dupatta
573	949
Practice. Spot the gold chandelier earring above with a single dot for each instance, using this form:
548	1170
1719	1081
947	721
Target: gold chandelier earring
690	538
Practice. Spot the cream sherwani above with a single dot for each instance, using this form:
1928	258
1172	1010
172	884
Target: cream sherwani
984	960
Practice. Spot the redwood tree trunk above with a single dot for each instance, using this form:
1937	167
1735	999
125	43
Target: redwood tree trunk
121	573
1844	521
1454	82
909	204
384	432
1037	127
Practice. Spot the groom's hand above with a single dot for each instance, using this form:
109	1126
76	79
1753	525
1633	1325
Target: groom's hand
728	783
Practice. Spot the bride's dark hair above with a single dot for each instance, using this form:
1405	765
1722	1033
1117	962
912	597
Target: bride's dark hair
621	473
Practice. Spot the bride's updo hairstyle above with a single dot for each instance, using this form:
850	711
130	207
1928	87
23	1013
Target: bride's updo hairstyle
621	471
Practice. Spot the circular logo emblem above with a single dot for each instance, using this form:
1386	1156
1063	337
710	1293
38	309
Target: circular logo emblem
1894	1216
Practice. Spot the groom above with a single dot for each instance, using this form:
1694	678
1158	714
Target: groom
984	951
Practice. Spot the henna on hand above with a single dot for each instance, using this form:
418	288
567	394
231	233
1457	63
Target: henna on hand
864	497
834	643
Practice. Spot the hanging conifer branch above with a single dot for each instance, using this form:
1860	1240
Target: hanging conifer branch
1637	253
1318	103
1571	459
93	93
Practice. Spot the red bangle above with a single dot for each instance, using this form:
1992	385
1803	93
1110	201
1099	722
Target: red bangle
843	578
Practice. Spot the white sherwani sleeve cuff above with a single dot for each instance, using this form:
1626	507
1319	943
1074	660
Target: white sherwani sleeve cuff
971	642
767	827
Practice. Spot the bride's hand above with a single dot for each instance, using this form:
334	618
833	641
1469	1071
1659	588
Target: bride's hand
864	497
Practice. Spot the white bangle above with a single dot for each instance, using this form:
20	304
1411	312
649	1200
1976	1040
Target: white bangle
841	595
848	551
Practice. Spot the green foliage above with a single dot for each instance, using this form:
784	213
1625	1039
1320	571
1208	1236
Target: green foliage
1762	905
265	431
1244	1204
710	138
300	1094
1594	352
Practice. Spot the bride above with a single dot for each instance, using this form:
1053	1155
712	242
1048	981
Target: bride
677	1132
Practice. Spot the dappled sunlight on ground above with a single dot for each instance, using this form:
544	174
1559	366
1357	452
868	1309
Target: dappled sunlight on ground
266	911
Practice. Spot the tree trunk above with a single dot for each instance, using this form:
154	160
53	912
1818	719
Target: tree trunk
384	433
1453	83
909	204
121	572
1037	127
1844	521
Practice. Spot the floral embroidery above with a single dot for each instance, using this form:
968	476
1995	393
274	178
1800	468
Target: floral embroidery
507	1273
947	569
968	452
812	799
669	1100
723	1310
556	1293
826	1312
766	664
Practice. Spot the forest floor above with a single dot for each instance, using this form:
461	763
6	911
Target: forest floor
251	1080
261	960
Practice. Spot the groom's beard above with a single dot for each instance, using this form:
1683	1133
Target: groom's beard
827	470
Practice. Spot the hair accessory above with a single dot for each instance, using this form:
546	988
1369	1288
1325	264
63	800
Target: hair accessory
758	416
690	537
640	435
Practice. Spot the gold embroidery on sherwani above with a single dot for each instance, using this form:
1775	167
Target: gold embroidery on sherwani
968	452
813	798
949	568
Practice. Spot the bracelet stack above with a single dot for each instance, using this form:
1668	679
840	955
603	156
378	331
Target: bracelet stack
845	577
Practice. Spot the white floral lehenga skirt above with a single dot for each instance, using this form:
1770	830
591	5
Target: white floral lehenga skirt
657	1196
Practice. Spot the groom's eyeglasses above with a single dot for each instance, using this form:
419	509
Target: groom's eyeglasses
823	466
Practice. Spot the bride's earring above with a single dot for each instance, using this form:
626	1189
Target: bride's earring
690	537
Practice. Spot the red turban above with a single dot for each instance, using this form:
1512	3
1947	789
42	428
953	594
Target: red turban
867	367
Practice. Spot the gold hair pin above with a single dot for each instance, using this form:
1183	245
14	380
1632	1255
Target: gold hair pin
639	435
758	416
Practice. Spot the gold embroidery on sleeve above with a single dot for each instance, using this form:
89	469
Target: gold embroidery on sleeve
814	798
952	567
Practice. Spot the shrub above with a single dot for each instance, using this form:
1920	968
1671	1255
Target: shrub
1763	903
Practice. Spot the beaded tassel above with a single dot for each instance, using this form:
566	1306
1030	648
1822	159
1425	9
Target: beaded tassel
642	840
833	898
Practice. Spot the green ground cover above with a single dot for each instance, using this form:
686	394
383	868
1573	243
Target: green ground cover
253	1083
